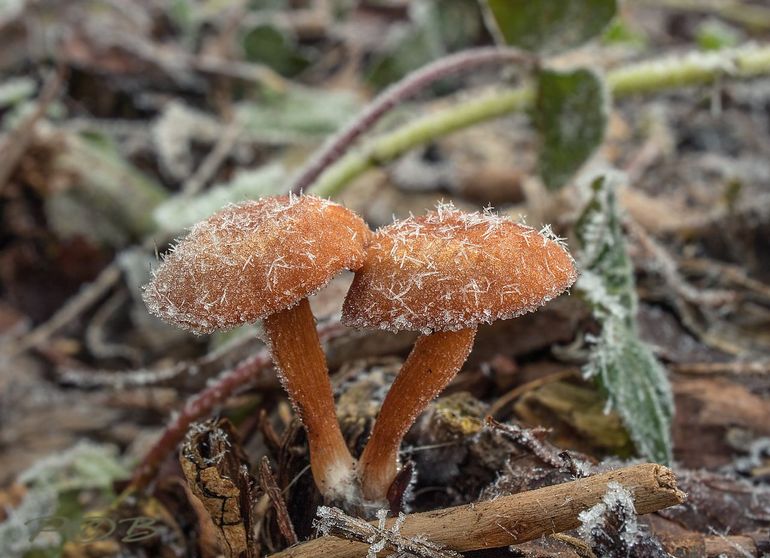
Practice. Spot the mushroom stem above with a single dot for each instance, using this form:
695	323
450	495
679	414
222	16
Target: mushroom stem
301	365
434	361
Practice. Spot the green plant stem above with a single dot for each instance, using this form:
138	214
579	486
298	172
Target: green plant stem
753	16
695	68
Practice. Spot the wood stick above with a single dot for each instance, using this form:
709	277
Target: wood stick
514	519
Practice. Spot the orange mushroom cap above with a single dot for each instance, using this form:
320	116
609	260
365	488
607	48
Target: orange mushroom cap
253	259
449	270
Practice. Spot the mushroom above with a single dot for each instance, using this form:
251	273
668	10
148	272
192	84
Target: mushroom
442	274
261	260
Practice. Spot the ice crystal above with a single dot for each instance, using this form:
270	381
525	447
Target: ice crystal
449	269
379	537
612	530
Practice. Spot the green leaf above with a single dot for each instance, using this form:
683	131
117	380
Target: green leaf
298	114
549	25
621	32
435	28
571	116
109	200
269	45
635	383
714	34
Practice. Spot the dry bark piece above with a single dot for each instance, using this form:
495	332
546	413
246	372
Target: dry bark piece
217	473
269	486
442	274
514	519
261	260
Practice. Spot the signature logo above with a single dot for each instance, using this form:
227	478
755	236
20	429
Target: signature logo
94	528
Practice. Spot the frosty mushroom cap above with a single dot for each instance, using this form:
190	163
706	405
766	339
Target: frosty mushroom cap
450	270
253	259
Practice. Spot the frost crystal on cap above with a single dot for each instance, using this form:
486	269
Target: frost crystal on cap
448	270
254	259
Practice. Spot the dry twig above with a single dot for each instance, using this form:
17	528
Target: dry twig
269	486
545	452
517	518
735	367
67	313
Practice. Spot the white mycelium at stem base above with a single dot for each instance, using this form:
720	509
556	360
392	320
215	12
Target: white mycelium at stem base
433	362
301	365
442	274
261	260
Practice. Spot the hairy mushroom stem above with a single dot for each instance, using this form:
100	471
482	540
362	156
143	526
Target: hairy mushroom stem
433	362
301	364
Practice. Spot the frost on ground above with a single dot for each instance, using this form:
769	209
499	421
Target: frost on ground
17	532
612	530
83	467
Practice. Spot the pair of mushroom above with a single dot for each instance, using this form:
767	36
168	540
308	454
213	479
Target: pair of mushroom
441	274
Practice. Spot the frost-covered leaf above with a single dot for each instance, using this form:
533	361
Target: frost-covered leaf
612	530
85	465
16	90
173	132
10	8
549	25
53	487
571	117
108	199
635	383
178	213
298	114
636	386
15	532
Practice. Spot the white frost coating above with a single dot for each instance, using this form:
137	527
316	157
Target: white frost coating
18	535
449	269
215	435
617	505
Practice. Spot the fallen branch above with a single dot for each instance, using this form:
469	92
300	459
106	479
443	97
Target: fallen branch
514	519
